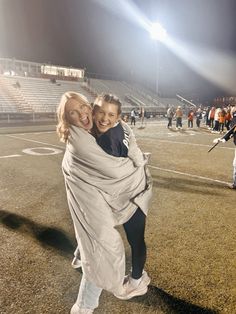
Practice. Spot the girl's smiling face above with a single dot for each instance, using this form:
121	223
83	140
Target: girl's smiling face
79	114
105	116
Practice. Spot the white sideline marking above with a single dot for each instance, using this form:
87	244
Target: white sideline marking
183	143
42	132
194	144
38	142
10	156
188	175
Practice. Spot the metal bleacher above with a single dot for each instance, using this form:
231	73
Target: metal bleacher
34	94
131	95
20	94
113	87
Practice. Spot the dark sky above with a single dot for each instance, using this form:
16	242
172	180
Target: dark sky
82	33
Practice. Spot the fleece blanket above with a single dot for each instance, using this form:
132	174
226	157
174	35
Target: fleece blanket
103	191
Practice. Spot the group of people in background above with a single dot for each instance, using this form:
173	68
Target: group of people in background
133	114
175	114
217	120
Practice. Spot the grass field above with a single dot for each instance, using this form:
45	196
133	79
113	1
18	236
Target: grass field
190	231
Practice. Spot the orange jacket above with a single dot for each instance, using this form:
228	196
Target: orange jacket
190	116
212	113
179	113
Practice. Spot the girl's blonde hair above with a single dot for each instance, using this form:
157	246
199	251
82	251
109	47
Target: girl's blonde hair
63	123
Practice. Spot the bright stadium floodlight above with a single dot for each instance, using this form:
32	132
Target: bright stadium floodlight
158	32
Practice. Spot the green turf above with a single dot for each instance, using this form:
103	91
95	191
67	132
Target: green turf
190	230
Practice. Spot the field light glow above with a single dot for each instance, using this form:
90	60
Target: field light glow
125	9
216	66
157	32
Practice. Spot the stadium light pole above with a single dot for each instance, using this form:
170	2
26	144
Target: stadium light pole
158	34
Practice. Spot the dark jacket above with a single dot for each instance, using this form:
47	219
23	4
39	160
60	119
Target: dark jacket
115	141
232	131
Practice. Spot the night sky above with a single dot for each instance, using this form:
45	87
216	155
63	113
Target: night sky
86	34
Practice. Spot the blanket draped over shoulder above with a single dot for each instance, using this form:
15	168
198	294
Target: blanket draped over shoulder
103	191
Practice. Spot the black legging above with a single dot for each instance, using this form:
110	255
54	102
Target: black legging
134	229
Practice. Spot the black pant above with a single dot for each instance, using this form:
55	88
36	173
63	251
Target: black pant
190	123
211	123
179	122
221	127
132	120
134	229
169	122
227	124
217	126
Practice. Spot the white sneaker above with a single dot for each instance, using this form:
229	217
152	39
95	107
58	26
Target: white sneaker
130	291
76	263
145	278
76	310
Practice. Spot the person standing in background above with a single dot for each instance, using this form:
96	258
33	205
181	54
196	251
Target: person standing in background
142	115
179	116
132	115
190	118
228	118
198	117
170	114
216	121
222	115
211	116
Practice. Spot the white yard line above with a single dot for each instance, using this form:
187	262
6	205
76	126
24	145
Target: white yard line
42	132
33	141
188	174
194	144
10	156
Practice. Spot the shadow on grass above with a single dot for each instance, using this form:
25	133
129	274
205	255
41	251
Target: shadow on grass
187	185
161	300
47	236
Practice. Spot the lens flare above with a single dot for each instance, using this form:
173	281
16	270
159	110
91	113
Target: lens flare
157	32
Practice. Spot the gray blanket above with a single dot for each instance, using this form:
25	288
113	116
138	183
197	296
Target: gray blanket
103	191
